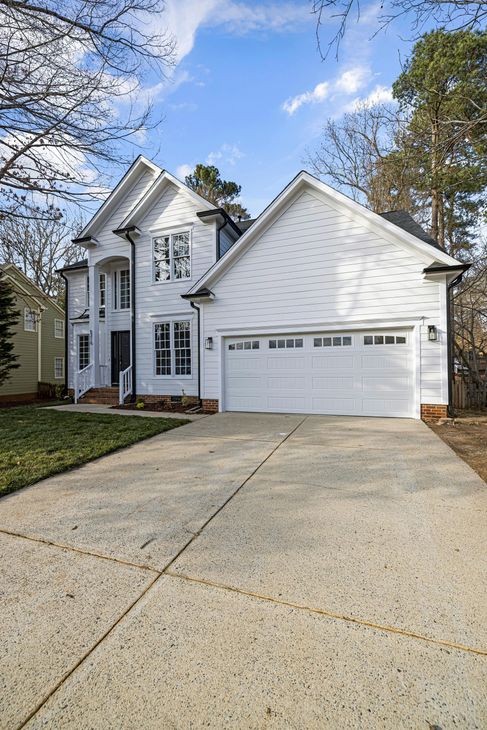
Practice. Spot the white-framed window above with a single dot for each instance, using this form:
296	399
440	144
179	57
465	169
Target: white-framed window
59	367
121	289
30	320
245	345
58	329
385	339
172	348
103	292
171	254
333	341
83	351
286	343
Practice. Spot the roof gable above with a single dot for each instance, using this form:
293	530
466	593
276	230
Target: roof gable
109	206
28	287
306	182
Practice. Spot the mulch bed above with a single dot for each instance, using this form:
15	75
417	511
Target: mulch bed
467	436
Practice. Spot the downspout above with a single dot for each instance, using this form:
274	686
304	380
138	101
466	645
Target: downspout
197	309
66	320
133	349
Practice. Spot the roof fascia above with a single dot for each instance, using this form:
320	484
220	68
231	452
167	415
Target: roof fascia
138	164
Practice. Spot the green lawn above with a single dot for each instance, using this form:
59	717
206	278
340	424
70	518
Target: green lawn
36	442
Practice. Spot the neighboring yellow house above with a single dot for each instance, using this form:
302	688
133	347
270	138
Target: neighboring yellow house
39	339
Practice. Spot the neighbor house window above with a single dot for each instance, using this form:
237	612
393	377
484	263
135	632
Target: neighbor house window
121	289
83	351
30	320
59	367
58	329
172	256
172	348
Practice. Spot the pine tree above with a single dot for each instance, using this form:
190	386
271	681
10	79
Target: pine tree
8	318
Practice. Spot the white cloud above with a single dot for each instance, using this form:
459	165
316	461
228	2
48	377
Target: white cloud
226	154
378	95
319	93
183	18
183	170
348	82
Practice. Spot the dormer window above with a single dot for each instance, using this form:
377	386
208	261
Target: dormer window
172	256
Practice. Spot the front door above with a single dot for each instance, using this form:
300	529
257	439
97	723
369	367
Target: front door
120	354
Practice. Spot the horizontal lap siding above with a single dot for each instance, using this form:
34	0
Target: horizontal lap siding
314	264
156	302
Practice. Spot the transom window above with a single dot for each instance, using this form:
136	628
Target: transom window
83	351
245	345
172	348
58	329
333	341
172	256
59	367
30	320
121	289
385	339
287	343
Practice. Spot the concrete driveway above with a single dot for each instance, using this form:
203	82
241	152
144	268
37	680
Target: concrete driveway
250	571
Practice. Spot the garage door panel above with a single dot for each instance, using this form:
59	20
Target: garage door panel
339	374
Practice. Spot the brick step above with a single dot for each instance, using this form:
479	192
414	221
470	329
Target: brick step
104	396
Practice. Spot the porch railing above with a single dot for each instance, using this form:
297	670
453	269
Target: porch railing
125	384
83	381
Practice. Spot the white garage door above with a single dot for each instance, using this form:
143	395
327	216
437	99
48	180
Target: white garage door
349	373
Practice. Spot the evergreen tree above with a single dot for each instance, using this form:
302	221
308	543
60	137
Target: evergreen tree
8	318
207	182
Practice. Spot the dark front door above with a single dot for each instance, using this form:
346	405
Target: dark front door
120	354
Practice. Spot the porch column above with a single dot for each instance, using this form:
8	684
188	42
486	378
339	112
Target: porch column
94	301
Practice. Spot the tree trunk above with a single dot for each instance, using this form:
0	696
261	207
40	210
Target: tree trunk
435	193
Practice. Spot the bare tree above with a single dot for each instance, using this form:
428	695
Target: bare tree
470	330
452	14
39	245
359	154
70	80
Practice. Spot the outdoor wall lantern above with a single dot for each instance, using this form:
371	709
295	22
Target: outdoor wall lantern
432	333
209	343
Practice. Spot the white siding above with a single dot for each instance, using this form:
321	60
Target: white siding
159	301
314	265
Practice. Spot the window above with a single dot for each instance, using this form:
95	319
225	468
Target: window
286	343
385	339
59	367
121	289
58	329
103	293
338	341
83	351
172	348
182	348
30	320
172	256
246	345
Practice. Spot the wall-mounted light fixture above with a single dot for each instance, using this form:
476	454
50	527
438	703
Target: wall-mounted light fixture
209	343
432	333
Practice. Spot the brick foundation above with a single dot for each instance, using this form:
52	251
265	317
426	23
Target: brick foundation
209	405
191	400
431	412
18	398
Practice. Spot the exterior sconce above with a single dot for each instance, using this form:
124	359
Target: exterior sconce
432	333
209	343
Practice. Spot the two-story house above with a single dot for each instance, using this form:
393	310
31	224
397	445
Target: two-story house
317	306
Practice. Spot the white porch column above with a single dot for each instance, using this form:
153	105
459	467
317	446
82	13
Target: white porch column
95	320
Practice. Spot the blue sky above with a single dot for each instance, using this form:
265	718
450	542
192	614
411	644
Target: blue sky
250	92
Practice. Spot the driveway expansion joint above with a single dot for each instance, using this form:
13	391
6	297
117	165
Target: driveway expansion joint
328	614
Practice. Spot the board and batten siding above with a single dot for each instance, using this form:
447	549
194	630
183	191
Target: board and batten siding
314	265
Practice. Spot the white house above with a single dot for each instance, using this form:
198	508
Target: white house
317	306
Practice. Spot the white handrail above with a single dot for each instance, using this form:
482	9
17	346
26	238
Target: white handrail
83	381
124	384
